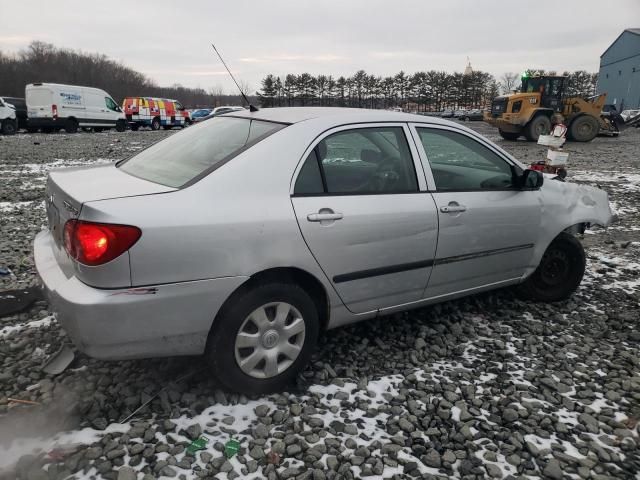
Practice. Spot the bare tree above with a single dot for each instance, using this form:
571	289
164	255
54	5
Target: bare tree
508	82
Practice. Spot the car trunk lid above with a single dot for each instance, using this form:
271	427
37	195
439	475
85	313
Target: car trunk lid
68	189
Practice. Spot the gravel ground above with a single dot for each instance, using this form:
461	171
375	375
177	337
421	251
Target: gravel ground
484	387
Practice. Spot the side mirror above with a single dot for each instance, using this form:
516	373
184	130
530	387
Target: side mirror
531	180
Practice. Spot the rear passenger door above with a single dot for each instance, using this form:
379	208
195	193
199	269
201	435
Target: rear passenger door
364	213
488	226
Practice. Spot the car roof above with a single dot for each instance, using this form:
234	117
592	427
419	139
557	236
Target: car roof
291	115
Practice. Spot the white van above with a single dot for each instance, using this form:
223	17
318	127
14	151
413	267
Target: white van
52	106
8	122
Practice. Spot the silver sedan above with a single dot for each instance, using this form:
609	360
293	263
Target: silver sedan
246	236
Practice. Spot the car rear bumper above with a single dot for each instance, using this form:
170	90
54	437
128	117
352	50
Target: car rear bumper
153	321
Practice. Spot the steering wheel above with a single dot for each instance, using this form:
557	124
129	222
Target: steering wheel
385	177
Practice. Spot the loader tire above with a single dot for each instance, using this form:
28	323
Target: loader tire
539	125
584	128
509	135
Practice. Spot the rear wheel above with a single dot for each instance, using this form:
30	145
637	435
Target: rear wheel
263	337
121	126
559	273
9	127
71	126
540	125
584	128
509	135
155	124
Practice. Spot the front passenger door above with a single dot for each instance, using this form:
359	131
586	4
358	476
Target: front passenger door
488	226
362	210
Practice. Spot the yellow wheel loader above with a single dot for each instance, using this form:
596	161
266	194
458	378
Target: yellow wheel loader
529	112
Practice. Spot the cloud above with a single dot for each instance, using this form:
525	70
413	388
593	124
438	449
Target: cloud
328	57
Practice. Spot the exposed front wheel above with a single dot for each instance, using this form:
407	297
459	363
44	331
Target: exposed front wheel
559	273
155	124
121	126
262	338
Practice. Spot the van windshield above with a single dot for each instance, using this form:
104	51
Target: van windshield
198	150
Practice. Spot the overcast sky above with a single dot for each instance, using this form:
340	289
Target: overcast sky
169	40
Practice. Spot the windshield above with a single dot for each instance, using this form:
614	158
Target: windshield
197	150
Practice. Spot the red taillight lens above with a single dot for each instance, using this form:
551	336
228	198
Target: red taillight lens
54	111
98	243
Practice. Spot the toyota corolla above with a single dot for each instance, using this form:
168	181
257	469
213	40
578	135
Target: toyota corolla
246	236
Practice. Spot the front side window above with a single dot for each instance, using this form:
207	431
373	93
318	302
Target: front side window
362	161
111	105
458	162
185	156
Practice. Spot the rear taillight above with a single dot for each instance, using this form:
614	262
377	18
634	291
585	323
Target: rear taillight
54	111
98	243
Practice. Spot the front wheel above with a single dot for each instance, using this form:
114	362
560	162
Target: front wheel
121	126
155	124
559	273
584	128
71	126
262	338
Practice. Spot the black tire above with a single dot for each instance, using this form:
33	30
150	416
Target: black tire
187	123
220	351
509	135
539	125
466	119
560	271
9	127
167	127
135	127
71	126
121	126
584	128
155	124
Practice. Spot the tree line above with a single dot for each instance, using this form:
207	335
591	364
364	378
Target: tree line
43	62
422	91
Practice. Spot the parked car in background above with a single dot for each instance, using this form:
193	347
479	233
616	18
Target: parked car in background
245	236
155	113
472	115
446	113
219	111
52	106
21	110
459	113
8	120
200	112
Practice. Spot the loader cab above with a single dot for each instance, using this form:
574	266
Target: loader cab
550	89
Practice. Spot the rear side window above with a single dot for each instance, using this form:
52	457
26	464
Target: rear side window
363	161
197	150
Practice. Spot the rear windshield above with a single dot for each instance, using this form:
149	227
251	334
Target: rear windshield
199	149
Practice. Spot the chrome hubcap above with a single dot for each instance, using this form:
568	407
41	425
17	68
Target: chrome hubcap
269	340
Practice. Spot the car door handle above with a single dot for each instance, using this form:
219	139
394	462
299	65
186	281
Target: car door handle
323	217
453	207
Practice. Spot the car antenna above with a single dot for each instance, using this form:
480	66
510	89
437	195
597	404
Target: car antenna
251	107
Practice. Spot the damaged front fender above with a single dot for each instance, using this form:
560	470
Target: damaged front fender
565	205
